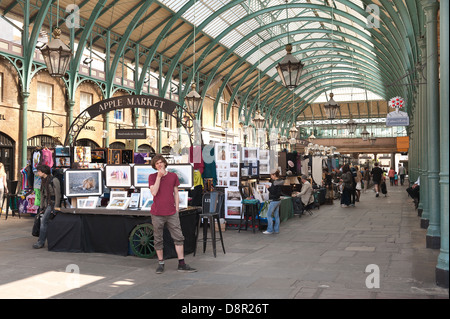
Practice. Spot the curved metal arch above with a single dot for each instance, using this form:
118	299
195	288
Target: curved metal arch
271	78
122	45
326	86
341	84
326	20
222	9
237	65
156	44
324	40
74	66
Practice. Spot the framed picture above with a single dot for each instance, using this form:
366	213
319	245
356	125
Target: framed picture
134	200
185	174
90	203
148	204
141	174
183	199
82	154
62	161
83	182
99	155
117	194
62	151
118	176
119	203
81	202
145	195
114	156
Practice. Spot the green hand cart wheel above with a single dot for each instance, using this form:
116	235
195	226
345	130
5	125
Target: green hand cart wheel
141	241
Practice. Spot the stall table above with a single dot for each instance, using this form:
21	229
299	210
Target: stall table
107	230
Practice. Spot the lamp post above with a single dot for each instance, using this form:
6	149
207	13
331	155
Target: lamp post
226	127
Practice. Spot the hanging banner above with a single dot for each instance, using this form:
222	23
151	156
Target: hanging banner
397	118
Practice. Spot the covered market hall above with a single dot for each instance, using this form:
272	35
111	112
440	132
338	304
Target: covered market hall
250	102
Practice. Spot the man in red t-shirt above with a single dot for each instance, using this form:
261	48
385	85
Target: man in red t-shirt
164	188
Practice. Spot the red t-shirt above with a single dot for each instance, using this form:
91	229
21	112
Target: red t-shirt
164	201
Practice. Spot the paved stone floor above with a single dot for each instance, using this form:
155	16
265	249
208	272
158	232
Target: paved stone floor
323	256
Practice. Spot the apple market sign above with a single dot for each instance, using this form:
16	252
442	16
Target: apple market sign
121	102
397	117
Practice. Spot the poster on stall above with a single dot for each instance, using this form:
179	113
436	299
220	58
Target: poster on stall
227	169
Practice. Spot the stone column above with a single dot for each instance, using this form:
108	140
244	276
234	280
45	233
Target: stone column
442	265
431	8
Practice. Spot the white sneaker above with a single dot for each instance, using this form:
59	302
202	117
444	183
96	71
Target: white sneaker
267	232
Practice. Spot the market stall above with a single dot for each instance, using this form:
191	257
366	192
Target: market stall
119	232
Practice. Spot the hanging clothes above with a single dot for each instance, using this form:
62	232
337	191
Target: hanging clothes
47	157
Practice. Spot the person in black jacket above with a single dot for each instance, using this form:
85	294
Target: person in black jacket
50	201
274	205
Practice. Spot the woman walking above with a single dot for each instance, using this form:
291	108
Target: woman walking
3	185
358	180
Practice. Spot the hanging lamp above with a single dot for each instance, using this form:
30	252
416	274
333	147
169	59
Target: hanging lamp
290	69
193	100
365	134
351	125
56	55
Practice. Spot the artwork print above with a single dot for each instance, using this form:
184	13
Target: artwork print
184	172
141	174
83	182
118	175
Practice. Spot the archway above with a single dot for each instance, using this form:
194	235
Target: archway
130	101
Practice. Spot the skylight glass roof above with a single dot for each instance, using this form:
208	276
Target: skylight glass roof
335	28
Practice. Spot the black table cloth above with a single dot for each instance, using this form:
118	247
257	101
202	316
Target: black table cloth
107	231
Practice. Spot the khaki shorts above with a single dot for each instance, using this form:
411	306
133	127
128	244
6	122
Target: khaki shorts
173	224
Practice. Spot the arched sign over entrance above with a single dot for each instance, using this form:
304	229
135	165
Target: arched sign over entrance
123	102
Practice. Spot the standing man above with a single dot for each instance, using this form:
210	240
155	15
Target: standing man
164	188
377	173
50	201
402	173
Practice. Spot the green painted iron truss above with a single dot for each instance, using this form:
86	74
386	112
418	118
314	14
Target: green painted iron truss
370	45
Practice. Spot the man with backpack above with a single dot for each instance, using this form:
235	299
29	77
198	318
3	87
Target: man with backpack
50	201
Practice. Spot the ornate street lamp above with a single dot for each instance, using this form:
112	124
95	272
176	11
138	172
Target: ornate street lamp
259	121
372	139
56	55
331	108
351	125
365	134
193	100
290	69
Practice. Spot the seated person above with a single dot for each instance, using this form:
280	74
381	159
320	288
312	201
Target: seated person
414	192
304	197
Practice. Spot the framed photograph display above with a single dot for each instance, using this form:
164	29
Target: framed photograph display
62	161
233	204
99	155
141	174
117	194
90	203
148	204
80	202
82	154
62	151
145	195
119	203
83	182
118	176
183	199
185	173
134	201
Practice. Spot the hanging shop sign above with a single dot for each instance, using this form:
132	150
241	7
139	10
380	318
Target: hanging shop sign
397	117
131	134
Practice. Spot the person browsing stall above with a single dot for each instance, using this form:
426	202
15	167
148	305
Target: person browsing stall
165	211
274	205
305	196
50	201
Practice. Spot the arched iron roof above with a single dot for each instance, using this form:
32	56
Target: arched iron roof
371	45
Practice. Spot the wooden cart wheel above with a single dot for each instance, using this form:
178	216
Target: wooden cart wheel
141	241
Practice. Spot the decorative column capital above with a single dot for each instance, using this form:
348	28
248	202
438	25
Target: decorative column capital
430	6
